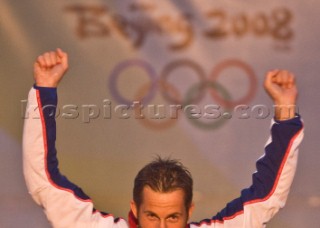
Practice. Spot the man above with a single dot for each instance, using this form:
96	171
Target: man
162	195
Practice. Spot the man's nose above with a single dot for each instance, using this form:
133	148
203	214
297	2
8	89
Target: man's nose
163	224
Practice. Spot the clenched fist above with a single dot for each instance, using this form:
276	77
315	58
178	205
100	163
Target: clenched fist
281	87
50	67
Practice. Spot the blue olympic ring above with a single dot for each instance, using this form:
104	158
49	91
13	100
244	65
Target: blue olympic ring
116	72
217	90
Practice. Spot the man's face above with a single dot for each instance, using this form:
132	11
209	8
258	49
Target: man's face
162	210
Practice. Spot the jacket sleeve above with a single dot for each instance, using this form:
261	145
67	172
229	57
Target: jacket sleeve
270	183
64	204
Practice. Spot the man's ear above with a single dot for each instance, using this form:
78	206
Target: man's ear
134	208
191	208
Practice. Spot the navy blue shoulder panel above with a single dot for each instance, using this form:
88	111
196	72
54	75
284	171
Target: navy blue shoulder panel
268	169
48	103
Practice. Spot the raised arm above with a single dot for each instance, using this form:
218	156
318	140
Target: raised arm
64	203
275	169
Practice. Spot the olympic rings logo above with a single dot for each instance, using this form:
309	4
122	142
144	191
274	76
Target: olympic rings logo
193	95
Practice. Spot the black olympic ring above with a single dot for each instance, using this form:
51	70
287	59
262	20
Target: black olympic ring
174	65
170	94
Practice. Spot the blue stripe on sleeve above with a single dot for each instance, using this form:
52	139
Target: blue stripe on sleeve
268	168
48	98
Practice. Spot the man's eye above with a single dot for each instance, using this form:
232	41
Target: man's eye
152	217
173	218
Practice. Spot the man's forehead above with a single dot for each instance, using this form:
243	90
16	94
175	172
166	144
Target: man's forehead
163	204
150	196
148	191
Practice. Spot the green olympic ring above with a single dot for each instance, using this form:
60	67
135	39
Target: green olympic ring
192	92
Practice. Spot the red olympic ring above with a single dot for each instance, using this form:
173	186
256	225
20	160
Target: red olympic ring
170	93
253	82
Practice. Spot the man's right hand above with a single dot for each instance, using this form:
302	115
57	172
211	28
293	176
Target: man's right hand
50	67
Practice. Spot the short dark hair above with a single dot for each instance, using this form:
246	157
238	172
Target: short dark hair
163	175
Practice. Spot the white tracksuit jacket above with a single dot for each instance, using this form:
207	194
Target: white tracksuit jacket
65	205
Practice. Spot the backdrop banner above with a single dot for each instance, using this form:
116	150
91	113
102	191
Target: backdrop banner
176	78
